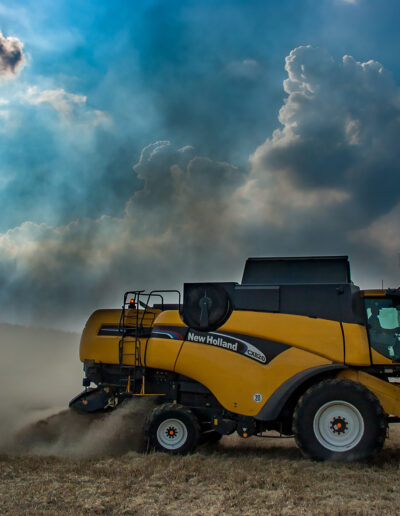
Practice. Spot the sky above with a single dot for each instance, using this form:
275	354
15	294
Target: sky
144	144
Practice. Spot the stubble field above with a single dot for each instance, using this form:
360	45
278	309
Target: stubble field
235	479
79	469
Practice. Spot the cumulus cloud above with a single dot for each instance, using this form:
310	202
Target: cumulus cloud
325	182
163	236
179	187
338	141
70	106
59	99
11	56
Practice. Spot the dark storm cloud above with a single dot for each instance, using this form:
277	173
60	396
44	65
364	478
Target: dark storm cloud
326	182
341	122
332	171
11	56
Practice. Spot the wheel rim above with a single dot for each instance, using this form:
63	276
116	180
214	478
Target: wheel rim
172	434
338	426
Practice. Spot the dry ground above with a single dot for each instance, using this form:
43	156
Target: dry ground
235	477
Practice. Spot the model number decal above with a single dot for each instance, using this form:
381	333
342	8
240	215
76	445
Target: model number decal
221	340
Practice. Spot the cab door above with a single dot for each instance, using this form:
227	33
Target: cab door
383	316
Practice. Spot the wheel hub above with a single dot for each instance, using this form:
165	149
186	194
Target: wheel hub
172	434
339	425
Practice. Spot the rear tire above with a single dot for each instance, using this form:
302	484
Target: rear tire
339	420
172	429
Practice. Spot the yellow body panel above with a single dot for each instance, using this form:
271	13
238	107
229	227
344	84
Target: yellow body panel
169	318
318	336
105	348
387	393
356	345
377	358
100	348
234	380
162	353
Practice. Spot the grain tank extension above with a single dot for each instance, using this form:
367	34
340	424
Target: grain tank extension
295	347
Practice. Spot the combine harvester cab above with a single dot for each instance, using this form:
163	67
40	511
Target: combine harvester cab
296	347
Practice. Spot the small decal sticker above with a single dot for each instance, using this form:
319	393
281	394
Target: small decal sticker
257	397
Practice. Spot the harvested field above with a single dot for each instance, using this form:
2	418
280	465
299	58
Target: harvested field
235	477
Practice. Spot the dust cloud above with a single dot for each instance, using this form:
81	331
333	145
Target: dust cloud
71	434
40	373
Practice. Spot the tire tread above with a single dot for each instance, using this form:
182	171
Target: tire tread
329	384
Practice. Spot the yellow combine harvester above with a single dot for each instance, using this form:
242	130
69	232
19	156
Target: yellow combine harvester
296	347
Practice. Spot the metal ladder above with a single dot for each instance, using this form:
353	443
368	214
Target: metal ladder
134	326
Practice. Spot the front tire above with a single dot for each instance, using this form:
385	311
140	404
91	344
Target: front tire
173	429
339	420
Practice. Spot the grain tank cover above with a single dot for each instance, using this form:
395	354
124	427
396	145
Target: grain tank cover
302	270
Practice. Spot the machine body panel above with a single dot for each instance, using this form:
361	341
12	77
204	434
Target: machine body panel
241	384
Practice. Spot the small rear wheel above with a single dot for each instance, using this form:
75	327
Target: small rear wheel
172	429
339	420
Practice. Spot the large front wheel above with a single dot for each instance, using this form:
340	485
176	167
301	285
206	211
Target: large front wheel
172	429
339	420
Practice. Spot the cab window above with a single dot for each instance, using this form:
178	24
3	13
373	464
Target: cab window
384	326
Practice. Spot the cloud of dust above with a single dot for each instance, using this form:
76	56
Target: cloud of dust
71	434
40	373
